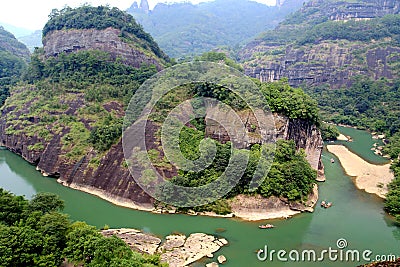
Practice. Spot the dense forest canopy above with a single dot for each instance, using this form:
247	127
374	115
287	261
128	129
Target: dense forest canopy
101	17
36	233
368	104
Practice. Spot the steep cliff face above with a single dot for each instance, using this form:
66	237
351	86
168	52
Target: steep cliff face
109	40
108	178
328	42
331	62
305	135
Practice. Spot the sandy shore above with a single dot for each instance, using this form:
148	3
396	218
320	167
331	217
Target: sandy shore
100	193
342	137
369	177
267	215
247	215
256	208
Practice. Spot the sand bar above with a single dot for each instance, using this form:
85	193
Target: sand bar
369	177
342	137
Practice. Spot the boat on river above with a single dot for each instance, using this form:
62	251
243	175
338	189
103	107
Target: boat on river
325	204
266	226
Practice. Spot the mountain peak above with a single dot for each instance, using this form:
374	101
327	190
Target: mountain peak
144	6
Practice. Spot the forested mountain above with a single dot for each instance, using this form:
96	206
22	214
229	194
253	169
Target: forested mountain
184	29
13	58
328	42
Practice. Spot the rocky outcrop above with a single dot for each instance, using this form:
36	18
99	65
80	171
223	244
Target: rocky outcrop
305	135
346	10
109	40
176	250
255	208
110	179
334	63
333	60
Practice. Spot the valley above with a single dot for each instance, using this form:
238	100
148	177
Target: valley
179	131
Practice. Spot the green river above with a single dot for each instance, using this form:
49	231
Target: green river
355	215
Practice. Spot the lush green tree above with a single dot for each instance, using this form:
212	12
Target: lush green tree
42	236
329	132
45	203
11	207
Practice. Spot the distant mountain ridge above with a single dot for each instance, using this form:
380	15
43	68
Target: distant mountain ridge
9	43
184	29
329	42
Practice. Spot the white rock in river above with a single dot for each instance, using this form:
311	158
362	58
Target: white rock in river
221	259
212	264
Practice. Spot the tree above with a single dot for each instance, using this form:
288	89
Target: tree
46	202
11	207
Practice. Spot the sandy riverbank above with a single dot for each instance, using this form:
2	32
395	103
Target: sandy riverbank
244	214
369	177
342	137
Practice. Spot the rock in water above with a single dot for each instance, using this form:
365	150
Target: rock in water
221	259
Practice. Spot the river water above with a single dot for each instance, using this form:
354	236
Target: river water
355	215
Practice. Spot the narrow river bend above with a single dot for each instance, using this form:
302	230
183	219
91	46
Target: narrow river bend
355	215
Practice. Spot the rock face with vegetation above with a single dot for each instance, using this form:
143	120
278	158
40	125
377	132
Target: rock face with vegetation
329	42
119	35
109	40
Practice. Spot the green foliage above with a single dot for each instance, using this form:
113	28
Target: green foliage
329	132
45	203
393	147
392	202
106	134
13	58
11	207
373	105
35	233
220	57
292	102
101	17
290	176
83	69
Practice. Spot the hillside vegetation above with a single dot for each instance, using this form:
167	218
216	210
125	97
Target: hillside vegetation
37	233
13	61
291	176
